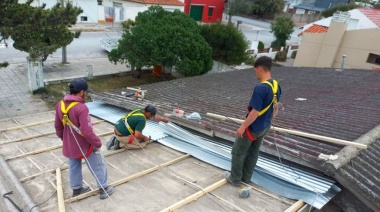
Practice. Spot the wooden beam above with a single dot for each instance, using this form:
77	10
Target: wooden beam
34	152
194	196
124	180
296	206
274	196
65	167
299	133
36	136
49	148
61	201
26	125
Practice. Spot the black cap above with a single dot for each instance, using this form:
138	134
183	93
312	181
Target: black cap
151	109
79	85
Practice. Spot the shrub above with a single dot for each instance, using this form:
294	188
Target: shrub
260	45
281	56
250	60
228	44
294	54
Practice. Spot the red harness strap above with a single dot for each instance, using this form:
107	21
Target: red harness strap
249	135
87	154
131	138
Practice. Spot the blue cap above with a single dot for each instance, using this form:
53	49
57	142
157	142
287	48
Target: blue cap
79	85
151	109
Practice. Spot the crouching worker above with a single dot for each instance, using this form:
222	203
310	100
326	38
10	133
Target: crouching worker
128	130
73	125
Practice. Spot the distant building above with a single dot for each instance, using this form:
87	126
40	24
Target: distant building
206	11
351	37
311	7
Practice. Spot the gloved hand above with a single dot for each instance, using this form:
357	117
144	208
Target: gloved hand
95	150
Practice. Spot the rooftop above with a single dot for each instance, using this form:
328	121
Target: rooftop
315	28
342	105
372	14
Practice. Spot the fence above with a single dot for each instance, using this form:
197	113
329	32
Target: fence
271	52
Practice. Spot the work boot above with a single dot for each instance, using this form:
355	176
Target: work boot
227	175
81	190
107	191
111	142
116	145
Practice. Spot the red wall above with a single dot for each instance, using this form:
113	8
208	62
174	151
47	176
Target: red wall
217	14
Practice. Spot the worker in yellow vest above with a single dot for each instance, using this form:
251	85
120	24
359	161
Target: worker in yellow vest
73	125
128	130
262	109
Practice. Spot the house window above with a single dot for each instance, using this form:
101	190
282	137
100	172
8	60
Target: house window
373	58
83	18
210	10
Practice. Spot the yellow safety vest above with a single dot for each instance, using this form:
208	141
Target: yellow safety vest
133	113
274	100
65	118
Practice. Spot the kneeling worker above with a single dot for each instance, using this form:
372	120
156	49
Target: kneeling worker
128	130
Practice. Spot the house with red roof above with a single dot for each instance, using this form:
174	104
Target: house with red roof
346	40
118	11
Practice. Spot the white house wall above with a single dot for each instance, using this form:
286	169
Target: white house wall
89	7
131	9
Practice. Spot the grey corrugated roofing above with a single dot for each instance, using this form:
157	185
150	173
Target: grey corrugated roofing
277	177
309	7
343	105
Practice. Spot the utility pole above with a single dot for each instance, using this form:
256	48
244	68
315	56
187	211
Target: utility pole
64	52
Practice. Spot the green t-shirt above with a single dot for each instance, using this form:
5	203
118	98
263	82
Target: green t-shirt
137	123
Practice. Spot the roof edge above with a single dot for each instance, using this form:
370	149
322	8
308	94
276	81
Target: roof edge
349	152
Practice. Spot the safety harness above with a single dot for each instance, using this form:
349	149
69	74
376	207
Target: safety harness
136	112
274	101
67	121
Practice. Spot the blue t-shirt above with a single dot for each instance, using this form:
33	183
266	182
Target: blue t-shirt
262	96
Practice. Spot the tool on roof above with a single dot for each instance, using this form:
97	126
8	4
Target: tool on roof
299	133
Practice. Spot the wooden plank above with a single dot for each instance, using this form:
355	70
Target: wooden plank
296	206
26	125
65	167
299	133
124	180
277	197
50	148
194	196
61	201
37	136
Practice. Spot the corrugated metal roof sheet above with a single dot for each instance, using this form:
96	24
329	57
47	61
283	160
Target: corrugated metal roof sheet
285	179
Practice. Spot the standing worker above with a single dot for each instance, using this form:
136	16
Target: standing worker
128	130
73	125
262	109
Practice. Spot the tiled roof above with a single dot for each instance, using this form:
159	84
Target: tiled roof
160	2
315	28
372	14
341	105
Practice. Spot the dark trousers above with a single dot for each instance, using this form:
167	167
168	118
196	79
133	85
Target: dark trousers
245	154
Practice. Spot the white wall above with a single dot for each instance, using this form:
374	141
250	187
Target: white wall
131	9
89	7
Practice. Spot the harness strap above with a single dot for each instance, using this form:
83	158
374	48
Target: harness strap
274	100
249	135
133	113
67	121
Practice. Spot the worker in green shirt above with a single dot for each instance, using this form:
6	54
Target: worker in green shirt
128	130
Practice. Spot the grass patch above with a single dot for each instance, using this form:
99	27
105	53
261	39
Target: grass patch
53	93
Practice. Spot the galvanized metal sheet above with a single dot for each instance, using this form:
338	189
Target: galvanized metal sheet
277	177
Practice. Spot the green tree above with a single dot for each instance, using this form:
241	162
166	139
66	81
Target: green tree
282	28
341	7
267	7
159	37
228	43
37	30
235	7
